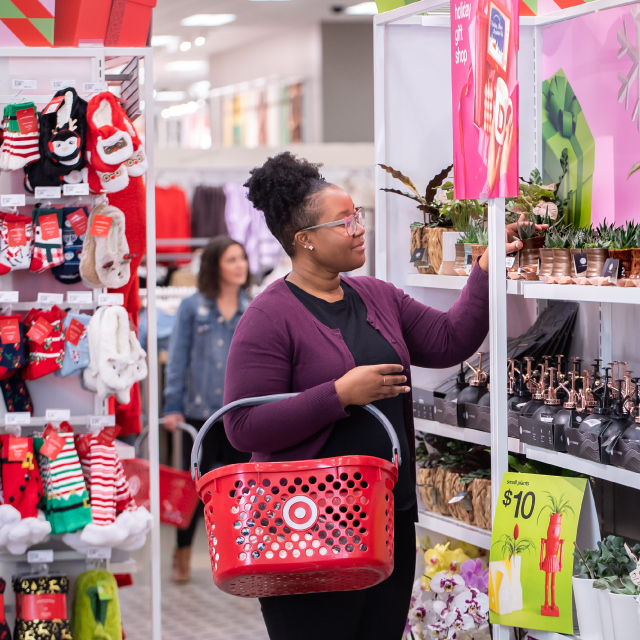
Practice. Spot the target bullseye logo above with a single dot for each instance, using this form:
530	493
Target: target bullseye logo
300	512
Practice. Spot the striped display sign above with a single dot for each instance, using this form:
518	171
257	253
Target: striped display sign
26	23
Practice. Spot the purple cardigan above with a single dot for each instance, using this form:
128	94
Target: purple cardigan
280	347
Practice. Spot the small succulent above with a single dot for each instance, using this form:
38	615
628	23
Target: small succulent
557	239
483	235
625	237
608	560
620	586
470	235
580	238
526	230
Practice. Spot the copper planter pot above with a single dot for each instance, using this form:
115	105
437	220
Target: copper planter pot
624	255
595	261
635	264
546	262
561	262
477	251
530	252
458	265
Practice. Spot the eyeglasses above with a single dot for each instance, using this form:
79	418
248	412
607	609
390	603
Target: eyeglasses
350	222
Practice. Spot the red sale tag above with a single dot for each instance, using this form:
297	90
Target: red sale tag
18	449
74	332
27	121
108	435
53	106
40	330
49	227
17	234
9	331
52	446
78	221
100	226
83	444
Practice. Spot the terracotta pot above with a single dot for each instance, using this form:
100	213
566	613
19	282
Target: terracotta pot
477	252
595	261
624	255
458	265
575	252
530	251
635	264
561	262
546	262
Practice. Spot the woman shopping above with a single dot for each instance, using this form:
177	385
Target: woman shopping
198	352
341	343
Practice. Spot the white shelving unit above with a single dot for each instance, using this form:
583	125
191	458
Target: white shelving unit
456	283
454	529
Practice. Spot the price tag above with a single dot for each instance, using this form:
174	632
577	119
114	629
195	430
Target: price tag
40	556
57	415
24	85
53	106
49	227
9	331
13	200
40	330
102	421
56	85
78	221
50	298
98	553
100	226
9	296
107	299
510	261
95	87
580	262
611	269
80	297
52	446
27	121
16	234
75	189
18	449
48	192
74	332
17	418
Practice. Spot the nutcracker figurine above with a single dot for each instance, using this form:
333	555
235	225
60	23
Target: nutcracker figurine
552	546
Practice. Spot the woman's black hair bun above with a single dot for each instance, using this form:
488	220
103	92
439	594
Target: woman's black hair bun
282	184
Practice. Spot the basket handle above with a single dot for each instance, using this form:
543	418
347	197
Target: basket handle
182	426
254	402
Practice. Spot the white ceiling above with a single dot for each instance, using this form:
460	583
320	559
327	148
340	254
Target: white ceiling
255	21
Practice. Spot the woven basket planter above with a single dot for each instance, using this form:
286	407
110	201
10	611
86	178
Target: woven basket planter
435	479
477	251
419	239
451	488
481	497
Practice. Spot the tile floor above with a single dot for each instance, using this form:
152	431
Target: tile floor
189	612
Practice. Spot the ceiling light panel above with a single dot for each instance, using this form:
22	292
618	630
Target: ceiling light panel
186	65
208	20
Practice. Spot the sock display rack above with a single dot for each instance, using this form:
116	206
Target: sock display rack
34	75
413	120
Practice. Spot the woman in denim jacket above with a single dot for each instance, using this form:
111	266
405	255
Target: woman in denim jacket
198	351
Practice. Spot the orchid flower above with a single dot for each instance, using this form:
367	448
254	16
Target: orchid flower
475	575
443	583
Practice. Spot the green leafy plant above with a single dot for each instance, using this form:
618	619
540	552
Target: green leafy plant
427	203
580	238
620	586
470	235
526	230
514	545
625	237
483	235
557	239
608	560
560	506
460	213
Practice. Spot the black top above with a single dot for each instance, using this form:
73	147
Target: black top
361	433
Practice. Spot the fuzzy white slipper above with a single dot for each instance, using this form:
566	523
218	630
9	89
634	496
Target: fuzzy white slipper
114	360
89	377
139	356
112	260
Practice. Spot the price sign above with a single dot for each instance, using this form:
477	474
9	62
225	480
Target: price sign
108	299
75	190
40	556
48	192
531	561
57	415
80	297
13	200
95	87
50	298
24	85
56	85
98	553
102	421
9	296
17	418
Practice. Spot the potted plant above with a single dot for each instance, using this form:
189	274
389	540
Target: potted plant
624	608
551	549
505	588
635	256
623	240
586	597
430	206
532	242
598	249
579	239
477	250
469	239
546	253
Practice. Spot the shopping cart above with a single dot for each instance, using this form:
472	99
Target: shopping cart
178	498
277	528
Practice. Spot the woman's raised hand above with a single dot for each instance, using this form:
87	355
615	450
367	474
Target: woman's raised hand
363	385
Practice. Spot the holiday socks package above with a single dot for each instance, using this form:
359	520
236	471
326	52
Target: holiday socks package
95	611
63	132
41	607
5	634
66	500
12	352
21	481
114	150
16	242
20	129
47	250
15	394
74	229
46	342
76	344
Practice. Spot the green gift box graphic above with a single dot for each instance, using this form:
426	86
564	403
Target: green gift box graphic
564	126
388	5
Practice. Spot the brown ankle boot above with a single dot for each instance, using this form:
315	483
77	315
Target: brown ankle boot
181	572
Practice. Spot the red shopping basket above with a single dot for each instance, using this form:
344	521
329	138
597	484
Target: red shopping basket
277	528
178	498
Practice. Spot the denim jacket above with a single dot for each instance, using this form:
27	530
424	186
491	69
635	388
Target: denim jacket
198	351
